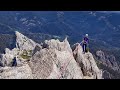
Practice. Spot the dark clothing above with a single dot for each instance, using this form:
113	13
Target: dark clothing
14	62
85	44
86	40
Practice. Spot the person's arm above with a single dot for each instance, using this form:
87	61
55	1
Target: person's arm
82	41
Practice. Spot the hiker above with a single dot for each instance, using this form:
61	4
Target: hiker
14	63
85	43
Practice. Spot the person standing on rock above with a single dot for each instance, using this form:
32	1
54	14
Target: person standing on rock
85	43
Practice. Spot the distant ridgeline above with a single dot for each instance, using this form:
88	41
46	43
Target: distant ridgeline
6	40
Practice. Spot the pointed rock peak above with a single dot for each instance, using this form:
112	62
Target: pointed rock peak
75	46
67	45
66	38
20	36
23	42
86	62
17	33
56	44
66	41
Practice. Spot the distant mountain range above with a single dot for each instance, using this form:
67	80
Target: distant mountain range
99	25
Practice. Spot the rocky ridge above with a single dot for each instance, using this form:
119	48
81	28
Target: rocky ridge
51	60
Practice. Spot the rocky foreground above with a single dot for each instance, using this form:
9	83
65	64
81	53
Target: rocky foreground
51	59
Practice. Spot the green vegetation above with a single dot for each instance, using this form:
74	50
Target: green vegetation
30	51
24	55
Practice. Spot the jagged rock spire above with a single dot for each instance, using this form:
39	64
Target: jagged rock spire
23	42
87	63
55	60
